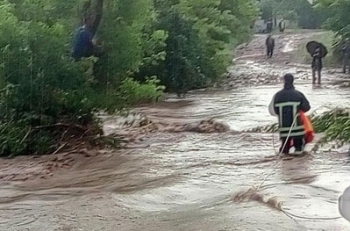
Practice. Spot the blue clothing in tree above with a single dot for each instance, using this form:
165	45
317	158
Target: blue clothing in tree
83	46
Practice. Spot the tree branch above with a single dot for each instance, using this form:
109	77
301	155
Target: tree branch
98	12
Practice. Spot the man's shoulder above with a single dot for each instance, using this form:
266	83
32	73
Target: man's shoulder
298	92
85	32
280	92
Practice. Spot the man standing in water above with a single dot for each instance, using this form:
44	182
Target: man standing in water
270	45
286	104
316	65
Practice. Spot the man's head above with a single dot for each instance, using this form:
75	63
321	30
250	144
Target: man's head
288	80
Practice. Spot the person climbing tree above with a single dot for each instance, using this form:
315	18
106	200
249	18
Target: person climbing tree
84	44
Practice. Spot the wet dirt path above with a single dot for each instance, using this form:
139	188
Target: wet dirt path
187	180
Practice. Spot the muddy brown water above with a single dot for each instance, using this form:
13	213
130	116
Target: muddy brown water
186	181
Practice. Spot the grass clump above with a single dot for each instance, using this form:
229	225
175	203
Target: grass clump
334	124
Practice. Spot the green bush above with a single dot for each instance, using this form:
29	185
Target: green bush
335	124
197	41
40	84
136	92
184	43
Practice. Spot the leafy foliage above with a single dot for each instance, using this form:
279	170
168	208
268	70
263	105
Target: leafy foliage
198	36
40	84
135	92
335	124
337	21
121	33
182	44
338	18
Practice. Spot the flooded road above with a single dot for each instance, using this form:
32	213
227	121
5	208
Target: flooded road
187	180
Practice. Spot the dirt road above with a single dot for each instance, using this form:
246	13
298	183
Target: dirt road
170	179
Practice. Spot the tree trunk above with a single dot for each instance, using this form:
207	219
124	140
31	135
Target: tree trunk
98	12
95	9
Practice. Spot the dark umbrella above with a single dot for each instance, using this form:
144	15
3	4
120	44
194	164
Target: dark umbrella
311	47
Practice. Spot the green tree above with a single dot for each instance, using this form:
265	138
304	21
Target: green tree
337	16
184	43
41	87
300	11
200	34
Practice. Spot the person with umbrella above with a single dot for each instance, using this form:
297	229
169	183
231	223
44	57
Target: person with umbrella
317	51
316	66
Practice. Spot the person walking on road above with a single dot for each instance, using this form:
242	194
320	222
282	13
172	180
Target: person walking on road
269	25
282	25
316	66
270	45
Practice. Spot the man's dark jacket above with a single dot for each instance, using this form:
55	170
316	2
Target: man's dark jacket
287	104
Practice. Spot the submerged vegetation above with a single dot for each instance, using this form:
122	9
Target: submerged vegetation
334	124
